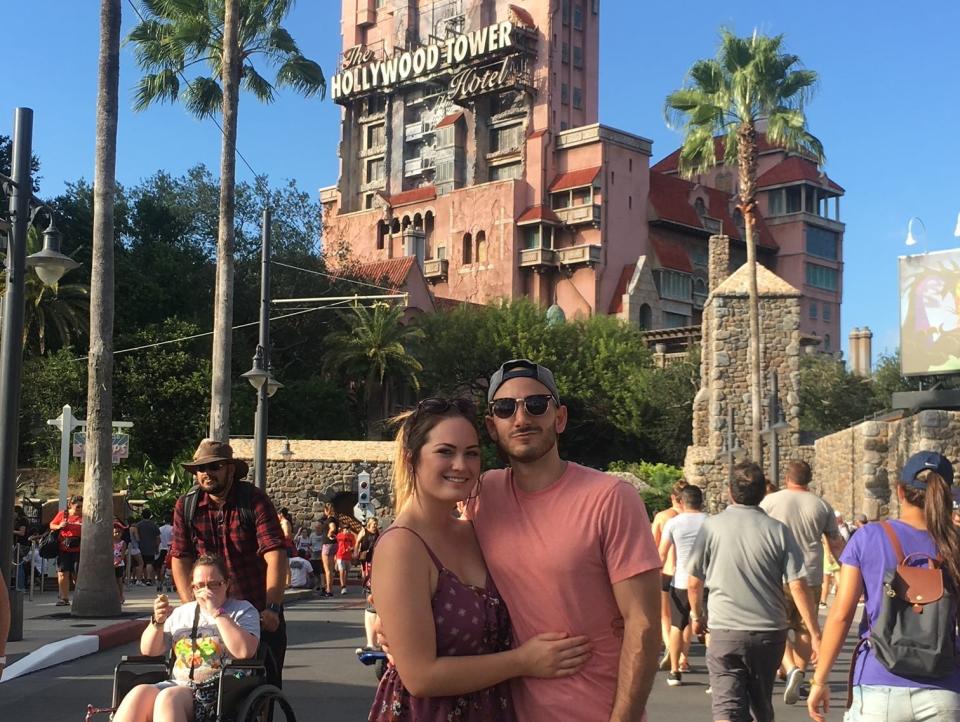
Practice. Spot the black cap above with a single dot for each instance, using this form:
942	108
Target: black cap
522	368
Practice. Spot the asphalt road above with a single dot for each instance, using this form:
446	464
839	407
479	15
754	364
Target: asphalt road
325	681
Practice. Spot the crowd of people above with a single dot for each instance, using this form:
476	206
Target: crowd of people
542	591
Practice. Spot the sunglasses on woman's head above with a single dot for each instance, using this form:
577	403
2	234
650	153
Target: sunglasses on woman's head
442	406
534	405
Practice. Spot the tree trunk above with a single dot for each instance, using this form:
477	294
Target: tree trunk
747	161
96	593
223	296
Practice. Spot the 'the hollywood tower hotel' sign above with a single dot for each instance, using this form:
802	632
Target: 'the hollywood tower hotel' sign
473	167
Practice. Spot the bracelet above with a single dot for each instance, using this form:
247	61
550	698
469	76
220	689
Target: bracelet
154	621
815	683
219	612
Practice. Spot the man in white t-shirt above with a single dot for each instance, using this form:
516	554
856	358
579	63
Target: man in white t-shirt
680	533
166	535
301	572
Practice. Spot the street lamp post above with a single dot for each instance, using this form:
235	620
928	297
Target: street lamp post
50	265
775	424
259	376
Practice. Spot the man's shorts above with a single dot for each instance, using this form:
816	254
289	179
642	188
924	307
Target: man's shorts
343	565
666	582
68	562
147	558
679	608
161	558
793	614
742	667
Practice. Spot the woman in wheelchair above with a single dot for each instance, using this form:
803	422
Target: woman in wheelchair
204	634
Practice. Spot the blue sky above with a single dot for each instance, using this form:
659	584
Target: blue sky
887	109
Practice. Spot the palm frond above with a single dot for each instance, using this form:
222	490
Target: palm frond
303	75
282	42
156	87
257	84
203	97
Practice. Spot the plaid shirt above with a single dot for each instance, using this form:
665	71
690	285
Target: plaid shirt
220	531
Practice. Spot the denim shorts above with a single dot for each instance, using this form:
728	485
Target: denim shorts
876	703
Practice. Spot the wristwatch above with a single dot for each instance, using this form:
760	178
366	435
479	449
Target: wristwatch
275	608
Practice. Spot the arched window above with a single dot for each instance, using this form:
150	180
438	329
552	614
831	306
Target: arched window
481	247
646	317
381	232
700	286
700	207
467	249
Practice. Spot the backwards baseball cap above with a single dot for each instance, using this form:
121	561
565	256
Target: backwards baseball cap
921	461
522	368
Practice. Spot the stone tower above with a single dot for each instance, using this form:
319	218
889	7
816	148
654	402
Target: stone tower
725	375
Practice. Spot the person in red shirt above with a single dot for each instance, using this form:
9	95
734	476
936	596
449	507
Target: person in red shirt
346	541
68	559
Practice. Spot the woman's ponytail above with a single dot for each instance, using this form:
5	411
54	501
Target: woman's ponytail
937	505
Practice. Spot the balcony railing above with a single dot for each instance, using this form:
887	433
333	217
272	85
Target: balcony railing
587	253
416	166
538	258
576	215
416	130
435	269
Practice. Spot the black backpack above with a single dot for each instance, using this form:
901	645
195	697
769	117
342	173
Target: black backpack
244	502
915	633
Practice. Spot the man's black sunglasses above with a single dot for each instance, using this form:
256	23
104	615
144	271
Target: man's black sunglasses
212	466
442	406
535	405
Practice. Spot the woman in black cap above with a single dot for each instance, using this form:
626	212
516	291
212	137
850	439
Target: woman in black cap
924	529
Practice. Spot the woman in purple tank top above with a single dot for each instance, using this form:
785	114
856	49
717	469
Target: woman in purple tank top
448	628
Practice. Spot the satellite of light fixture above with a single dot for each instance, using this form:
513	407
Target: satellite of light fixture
286	452
49	264
272	386
911	238
257	376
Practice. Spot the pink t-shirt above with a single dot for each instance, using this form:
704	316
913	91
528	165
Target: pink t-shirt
554	555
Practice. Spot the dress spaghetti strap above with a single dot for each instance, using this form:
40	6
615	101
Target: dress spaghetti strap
426	546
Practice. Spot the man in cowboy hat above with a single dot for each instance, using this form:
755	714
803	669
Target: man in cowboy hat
234	520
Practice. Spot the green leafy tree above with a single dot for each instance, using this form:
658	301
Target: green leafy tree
750	81
6	154
373	353
831	397
177	36
49	382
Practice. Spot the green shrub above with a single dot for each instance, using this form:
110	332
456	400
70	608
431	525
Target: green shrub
659	477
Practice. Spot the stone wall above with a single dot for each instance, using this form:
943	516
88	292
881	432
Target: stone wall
857	469
313	472
725	373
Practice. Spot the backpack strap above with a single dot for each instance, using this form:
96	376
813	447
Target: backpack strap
244	502
853	665
894	541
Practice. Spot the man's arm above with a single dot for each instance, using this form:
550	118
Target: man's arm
638	599
182	554
800	592
698	614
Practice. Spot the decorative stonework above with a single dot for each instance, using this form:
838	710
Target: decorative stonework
725	371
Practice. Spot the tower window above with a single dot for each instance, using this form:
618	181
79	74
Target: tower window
577	98
578	16
577	56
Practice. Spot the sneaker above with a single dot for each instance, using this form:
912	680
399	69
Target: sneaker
791	694
665	662
343	590
62	603
674	679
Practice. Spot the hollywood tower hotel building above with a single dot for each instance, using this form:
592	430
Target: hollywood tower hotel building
473	168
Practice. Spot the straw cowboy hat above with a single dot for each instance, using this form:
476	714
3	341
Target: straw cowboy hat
211	451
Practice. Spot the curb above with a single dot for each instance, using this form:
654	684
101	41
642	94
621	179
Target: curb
71	648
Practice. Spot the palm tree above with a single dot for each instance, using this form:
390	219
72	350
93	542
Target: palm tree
96	588
749	82
374	353
225	35
62	309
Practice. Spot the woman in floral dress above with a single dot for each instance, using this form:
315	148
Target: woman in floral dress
448	629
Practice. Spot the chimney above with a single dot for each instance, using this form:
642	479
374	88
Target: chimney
855	351
866	351
719	260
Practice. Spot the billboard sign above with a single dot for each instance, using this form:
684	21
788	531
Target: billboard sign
930	313
121	446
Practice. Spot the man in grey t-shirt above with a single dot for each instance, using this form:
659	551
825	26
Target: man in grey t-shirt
742	556
811	519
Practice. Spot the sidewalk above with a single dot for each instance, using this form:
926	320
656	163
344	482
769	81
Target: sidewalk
52	636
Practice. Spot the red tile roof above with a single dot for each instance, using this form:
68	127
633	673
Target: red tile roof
671	163
392	273
416	195
574	179
523	17
793	169
450	119
670	198
616	303
670	255
538	214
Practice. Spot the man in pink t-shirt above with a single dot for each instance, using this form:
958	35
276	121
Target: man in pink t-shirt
570	548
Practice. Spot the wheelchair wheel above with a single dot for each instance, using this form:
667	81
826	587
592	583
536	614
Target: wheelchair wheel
266	703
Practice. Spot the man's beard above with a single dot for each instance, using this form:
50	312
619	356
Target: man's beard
545	440
216	487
